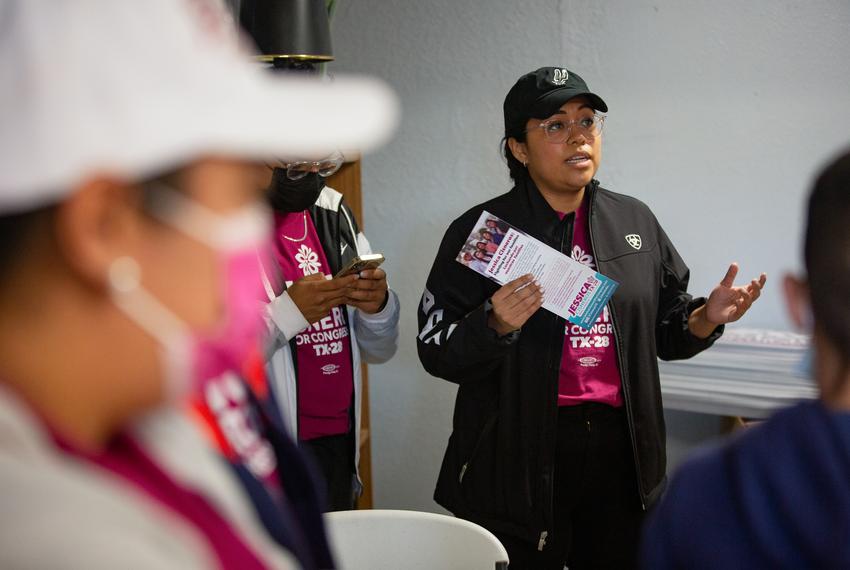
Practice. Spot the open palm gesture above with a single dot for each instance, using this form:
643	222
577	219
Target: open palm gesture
727	303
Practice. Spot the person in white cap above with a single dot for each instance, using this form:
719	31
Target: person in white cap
131	229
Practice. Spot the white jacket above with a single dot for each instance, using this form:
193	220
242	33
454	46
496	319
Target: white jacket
374	338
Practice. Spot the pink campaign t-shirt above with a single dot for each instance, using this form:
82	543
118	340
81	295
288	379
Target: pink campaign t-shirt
589	371
325	373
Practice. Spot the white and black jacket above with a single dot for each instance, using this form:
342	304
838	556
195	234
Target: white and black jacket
374	338
499	464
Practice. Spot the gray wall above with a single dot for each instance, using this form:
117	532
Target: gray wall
720	113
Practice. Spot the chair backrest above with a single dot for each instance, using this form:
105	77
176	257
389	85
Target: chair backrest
411	540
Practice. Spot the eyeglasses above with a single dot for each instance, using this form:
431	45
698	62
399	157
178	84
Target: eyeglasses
297	170
557	131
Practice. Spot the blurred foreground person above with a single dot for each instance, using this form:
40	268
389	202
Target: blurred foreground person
778	496
131	231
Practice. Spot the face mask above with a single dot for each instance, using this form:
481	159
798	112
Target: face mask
190	357
288	195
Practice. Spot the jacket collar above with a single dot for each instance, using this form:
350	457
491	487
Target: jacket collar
544	221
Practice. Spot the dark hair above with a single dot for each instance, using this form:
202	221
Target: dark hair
827	254
515	168
16	231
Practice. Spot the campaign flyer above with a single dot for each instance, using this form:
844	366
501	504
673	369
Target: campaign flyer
501	252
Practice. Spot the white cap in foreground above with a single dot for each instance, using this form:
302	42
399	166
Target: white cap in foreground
129	88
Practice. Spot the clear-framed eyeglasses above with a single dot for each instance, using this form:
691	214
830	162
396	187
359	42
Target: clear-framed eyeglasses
557	131
298	169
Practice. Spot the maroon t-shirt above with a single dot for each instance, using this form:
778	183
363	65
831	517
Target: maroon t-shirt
589	370
325	371
126	459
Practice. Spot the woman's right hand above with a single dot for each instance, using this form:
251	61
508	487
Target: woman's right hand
514	304
315	296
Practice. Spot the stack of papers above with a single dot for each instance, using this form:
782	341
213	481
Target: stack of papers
748	372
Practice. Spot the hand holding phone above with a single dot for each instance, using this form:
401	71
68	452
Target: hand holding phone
315	295
370	292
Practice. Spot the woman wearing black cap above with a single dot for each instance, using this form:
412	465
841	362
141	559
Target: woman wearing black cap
558	434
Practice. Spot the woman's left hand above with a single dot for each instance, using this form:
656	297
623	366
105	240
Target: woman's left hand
726	303
370	292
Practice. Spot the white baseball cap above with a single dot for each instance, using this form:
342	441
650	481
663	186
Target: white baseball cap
129	88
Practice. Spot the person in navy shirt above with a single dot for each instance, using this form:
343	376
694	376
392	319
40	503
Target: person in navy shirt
778	496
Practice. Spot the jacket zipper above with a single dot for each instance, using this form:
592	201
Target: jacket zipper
542	542
624	380
559	334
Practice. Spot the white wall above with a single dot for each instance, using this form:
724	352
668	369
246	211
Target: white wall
720	113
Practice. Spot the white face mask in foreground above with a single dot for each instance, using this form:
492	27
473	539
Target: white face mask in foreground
190	357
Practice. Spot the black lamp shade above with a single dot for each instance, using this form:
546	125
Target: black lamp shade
288	29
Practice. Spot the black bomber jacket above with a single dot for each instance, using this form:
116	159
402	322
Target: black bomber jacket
499	464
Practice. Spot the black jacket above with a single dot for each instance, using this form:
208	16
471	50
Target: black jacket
499	465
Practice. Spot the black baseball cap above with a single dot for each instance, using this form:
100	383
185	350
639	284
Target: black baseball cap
541	93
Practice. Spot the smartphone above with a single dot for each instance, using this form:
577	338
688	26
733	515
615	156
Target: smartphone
361	263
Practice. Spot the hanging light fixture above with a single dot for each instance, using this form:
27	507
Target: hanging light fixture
291	34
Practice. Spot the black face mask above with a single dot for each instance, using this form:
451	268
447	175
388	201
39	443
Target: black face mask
287	195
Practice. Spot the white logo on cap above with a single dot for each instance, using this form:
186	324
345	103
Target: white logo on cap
560	76
634	240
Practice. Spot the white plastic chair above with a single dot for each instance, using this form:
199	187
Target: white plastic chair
411	540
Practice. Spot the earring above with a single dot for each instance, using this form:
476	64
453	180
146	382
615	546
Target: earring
124	274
